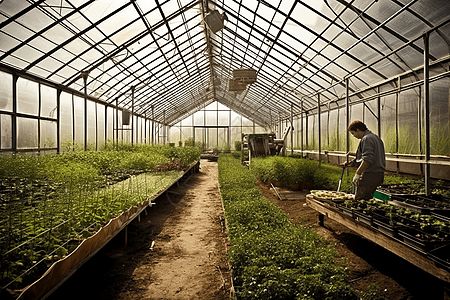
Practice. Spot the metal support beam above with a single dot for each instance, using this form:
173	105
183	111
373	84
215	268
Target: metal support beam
320	128
426	95
85	75
347	123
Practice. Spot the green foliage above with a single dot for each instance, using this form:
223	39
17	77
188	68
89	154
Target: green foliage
237	145
271	257
47	200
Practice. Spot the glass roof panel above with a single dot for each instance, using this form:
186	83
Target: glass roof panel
298	48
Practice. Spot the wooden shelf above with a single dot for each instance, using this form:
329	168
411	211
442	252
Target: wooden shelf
411	255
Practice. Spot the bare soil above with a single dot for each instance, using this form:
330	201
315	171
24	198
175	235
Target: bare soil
178	251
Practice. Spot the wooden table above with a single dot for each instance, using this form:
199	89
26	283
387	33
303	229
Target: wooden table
411	255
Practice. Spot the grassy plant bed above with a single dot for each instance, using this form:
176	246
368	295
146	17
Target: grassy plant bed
271	257
50	204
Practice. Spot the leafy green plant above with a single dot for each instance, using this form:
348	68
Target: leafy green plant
271	257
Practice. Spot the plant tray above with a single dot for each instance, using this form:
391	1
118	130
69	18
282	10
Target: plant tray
441	256
347	211
330	197
419	239
382	224
421	203
363	218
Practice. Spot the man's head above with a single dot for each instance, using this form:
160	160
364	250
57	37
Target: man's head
357	129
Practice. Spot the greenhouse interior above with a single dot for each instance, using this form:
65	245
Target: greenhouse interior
114	112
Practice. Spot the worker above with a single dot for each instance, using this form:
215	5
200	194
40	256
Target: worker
370	161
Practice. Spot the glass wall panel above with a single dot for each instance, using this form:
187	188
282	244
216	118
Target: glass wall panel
199	118
187	121
6	132
110	125
27	96
246	122
235	135
408	136
388	124
100	124
48	134
79	122
370	119
236	119
211	138
66	122
439	118
223	139
27	133
92	126
186	133
6	88
48	102
211	118
224	118
174	134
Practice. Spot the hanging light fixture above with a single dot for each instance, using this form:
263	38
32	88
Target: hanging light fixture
214	20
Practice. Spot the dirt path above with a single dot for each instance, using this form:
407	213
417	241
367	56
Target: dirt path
186	261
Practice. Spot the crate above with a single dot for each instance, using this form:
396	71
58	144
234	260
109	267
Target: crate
380	195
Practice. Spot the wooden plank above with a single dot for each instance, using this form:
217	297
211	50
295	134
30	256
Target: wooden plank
409	254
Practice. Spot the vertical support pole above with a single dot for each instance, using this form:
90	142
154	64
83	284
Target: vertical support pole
379	112
319	121
132	115
105	126
117	123
397	96
96	127
39	119
302	131
338	144
426	94
347	112
85	75
306	130
164	128
419	128
73	122
292	129
153	125
58	120
14	115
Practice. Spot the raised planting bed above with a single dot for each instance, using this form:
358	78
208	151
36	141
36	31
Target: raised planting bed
61	269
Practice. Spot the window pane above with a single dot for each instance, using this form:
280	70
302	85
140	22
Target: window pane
5	129
27	133
27	96
5	92
91	124
66	122
48	134
79	121
48	98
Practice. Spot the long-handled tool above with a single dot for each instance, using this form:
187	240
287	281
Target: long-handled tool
340	180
